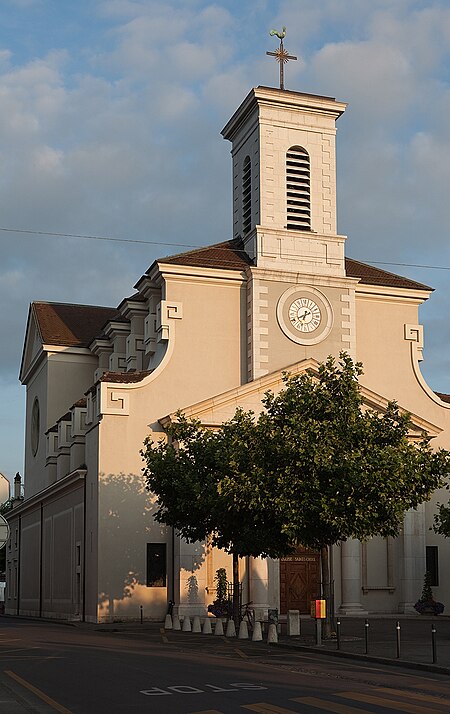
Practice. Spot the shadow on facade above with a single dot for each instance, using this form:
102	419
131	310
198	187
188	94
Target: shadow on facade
126	525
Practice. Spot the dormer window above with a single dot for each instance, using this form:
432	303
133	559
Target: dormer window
298	189
246	195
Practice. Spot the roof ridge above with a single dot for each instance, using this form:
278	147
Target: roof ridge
72	304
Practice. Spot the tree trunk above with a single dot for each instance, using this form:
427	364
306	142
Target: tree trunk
236	609
325	564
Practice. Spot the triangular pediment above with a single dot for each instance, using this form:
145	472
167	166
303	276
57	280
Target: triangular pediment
220	408
32	347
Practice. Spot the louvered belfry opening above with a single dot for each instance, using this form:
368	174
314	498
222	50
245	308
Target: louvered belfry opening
298	189
246	195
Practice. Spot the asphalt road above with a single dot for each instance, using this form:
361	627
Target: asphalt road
80	670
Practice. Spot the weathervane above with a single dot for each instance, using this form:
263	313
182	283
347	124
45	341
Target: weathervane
281	54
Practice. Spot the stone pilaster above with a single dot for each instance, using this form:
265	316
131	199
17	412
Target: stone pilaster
351	578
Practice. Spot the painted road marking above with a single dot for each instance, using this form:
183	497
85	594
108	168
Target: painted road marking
435	686
329	706
263	708
389	703
186	689
45	698
415	695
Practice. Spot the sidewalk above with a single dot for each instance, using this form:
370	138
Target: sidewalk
415	638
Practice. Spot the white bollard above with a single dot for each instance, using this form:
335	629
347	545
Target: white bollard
243	630
176	625
257	632
186	624
218	630
196	626
293	623
168	622
272	635
207	626
231	629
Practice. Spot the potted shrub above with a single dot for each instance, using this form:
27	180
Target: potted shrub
427	605
221	607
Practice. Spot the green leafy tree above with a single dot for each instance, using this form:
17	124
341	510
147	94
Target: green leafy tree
338	470
315	468
209	484
441	523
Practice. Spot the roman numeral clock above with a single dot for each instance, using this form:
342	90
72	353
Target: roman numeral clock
305	315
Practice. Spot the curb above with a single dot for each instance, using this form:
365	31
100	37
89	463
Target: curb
407	664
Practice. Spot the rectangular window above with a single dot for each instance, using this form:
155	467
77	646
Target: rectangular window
432	564
156	565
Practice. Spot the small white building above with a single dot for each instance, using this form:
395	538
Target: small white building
207	331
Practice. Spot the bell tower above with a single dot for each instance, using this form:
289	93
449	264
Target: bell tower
284	180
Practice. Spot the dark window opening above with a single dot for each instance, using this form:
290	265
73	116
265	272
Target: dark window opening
156	565
432	564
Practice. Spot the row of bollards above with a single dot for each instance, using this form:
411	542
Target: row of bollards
173	622
397	638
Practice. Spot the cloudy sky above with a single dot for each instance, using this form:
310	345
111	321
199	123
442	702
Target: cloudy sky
110	119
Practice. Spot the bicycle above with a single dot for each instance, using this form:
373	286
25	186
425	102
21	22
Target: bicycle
248	614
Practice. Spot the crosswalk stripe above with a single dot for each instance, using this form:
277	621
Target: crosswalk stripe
416	695
388	703
328	706
265	708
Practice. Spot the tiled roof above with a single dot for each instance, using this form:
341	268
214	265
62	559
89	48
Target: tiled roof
70	325
66	417
231	255
80	403
228	255
124	377
369	275
444	397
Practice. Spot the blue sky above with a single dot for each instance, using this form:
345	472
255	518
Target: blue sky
110	126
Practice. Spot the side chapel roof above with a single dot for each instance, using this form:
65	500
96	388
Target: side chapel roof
69	325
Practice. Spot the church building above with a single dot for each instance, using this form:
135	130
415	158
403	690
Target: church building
207	331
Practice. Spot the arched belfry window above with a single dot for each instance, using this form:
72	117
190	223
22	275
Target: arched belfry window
246	195
298	189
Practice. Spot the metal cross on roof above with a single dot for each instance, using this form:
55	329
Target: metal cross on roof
281	54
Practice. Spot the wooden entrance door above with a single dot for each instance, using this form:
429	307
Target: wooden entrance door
299	580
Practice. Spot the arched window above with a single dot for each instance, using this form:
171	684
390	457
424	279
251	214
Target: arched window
298	189
246	195
35	427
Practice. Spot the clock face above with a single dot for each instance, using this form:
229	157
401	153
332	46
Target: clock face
304	315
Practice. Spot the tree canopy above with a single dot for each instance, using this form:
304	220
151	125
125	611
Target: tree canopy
314	468
339	470
210	483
